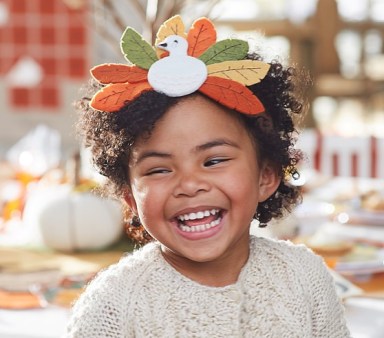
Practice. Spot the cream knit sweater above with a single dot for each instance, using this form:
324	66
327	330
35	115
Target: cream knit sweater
284	290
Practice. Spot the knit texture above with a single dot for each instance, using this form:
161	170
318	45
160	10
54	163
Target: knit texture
284	290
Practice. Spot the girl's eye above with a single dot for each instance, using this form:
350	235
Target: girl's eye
157	171
215	161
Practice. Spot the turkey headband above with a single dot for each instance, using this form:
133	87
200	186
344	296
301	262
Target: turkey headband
180	64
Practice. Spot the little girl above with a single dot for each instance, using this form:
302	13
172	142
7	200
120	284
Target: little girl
197	138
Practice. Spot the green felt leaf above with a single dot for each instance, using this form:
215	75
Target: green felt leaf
136	49
225	50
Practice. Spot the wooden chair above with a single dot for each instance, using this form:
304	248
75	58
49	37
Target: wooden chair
377	151
308	142
335	155
345	156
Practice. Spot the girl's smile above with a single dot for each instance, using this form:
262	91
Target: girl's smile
202	223
196	183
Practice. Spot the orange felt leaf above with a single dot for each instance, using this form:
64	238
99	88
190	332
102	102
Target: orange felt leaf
201	36
118	73
232	94
113	96
162	54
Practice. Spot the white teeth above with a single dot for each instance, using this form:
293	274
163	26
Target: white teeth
200	227
197	215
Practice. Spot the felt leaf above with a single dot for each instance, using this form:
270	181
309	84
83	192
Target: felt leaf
247	72
172	26
201	36
136	49
118	73
113	96
225	50
232	94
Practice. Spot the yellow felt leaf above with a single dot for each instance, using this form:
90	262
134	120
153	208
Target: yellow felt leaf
246	72
173	26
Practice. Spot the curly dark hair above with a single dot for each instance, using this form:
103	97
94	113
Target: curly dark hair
111	136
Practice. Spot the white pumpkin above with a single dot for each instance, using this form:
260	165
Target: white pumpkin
67	220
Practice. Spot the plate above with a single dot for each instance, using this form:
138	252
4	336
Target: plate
16	300
361	216
363	260
352	269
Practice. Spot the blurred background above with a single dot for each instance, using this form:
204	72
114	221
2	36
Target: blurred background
47	48
55	234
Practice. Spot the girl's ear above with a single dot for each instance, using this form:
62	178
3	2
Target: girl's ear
130	200
269	181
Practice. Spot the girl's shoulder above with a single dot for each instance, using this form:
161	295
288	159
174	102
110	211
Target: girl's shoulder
131	264
299	279
105	303
119	280
288	264
288	256
281	248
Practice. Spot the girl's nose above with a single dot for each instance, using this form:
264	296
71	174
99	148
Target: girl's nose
190	184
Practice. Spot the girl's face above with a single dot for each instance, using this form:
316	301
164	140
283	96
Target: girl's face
196	183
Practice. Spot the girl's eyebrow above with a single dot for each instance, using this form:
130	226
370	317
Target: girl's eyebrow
149	154
216	143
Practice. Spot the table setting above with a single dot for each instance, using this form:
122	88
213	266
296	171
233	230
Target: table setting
342	219
56	233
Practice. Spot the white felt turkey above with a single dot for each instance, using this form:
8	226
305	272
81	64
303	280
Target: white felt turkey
178	74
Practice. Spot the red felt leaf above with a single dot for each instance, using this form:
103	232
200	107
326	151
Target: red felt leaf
113	96
118	73
201	36
232	94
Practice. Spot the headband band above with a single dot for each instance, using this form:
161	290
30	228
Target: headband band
180	64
